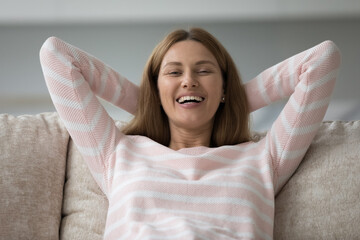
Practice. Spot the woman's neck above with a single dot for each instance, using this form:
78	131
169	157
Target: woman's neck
187	138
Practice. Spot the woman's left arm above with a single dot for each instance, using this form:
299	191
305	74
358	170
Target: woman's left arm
308	78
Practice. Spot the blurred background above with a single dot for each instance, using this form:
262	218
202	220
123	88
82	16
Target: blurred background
257	33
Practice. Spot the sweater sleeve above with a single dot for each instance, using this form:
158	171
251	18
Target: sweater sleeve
74	79
308	79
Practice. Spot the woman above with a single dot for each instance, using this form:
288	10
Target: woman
185	167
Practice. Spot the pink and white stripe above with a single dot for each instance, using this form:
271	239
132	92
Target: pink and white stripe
197	193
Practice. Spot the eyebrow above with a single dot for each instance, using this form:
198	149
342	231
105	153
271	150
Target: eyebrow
197	63
206	62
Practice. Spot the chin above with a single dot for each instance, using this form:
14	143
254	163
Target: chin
195	124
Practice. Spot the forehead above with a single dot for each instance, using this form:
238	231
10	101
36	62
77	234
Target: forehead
188	52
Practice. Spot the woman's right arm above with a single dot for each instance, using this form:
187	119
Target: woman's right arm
74	78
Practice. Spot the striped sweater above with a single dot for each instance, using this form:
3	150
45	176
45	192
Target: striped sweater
155	192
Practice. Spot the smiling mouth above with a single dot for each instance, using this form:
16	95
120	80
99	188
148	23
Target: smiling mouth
190	99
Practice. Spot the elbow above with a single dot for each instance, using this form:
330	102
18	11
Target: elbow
334	54
46	55
47	47
330	44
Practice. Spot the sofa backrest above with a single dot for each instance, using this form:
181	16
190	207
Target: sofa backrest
33	152
322	199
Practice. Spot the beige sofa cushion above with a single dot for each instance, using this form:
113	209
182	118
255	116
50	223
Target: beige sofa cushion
322	199
85	205
32	162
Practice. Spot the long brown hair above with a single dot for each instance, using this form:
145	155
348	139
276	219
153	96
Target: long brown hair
231	122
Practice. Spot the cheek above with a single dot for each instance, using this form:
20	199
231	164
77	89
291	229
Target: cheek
160	86
216	89
165	90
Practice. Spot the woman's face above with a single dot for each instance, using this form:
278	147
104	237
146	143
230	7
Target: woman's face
190	85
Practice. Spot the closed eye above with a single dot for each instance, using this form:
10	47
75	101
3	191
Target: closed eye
174	73
204	72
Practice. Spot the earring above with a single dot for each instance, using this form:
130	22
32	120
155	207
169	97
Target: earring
223	99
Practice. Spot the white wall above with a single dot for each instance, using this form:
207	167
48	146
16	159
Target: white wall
254	45
99	11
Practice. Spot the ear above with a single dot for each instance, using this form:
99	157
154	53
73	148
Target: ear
223	98
223	93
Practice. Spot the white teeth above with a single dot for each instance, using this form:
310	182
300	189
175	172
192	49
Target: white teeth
190	98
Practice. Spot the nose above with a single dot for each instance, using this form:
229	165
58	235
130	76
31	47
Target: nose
189	81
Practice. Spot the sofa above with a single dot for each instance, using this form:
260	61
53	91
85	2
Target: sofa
47	191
